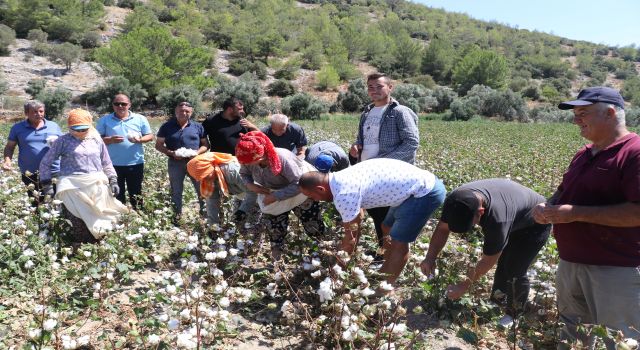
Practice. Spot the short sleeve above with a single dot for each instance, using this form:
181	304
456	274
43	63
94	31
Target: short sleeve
162	132
495	237
101	126
13	133
631	177
348	205
145	128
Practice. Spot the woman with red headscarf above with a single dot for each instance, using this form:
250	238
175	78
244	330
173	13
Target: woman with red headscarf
273	173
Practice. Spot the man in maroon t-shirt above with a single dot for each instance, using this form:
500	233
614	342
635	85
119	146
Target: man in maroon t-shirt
596	216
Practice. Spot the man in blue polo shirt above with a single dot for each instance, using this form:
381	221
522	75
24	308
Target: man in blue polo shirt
124	132
31	136
181	139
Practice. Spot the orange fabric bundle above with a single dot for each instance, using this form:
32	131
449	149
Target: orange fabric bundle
205	168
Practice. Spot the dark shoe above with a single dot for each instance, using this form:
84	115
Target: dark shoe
239	216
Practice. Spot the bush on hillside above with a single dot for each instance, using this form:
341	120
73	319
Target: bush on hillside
266	107
66	53
169	98
416	97
303	106
240	66
506	105
247	89
102	96
550	114
327	78
462	109
444	97
7	37
37	35
281	88
55	100
354	99
90	40
35	87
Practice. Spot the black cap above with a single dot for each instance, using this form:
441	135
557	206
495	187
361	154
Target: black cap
459	209
593	95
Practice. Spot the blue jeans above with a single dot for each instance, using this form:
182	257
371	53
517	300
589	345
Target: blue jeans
407	219
177	171
231	172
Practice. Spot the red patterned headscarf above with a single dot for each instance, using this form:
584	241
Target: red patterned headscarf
253	145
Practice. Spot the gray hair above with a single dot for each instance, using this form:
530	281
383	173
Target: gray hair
620	114
32	105
280	119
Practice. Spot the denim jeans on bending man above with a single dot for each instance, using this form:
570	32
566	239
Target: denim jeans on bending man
236	186
177	170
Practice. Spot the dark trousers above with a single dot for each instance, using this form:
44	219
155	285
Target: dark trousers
511	272
378	215
130	179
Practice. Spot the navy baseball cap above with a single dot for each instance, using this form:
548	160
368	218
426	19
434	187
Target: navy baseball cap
593	95
324	163
459	209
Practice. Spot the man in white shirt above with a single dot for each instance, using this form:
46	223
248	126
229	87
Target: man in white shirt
411	193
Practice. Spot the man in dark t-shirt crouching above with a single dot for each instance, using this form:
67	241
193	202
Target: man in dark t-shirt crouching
512	239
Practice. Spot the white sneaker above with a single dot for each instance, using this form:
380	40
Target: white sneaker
505	322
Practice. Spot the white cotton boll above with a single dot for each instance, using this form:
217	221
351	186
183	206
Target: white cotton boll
367	292
222	254
233	251
171	289
325	292
97	286
224	302
337	269
218	289
86	253
316	274
397	328
133	136
348	335
272	288
210	256
68	343
153	339
29	264
220	241
163	318
38	308
173	324
35	333
28	252
386	305
185	340
51	139
307	267
157	258
185	152
316	262
185	314
631	343
49	324
84	340
538	265
197	293
385	286
387	346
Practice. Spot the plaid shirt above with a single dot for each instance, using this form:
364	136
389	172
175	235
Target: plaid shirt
399	136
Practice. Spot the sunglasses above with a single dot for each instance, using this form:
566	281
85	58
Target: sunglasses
120	104
184	104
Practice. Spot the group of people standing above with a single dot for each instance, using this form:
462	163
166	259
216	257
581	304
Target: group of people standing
595	211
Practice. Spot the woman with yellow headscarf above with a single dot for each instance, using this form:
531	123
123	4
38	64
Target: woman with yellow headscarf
87	181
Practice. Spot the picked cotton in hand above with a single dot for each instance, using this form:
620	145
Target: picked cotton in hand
51	139
186	152
134	136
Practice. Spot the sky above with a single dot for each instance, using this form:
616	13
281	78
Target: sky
590	20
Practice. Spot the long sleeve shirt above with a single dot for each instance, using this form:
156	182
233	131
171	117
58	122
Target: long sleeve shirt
77	157
285	184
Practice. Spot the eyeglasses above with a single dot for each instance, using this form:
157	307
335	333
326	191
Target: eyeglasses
120	104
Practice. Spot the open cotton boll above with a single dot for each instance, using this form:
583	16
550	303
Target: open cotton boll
51	139
133	136
186	152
